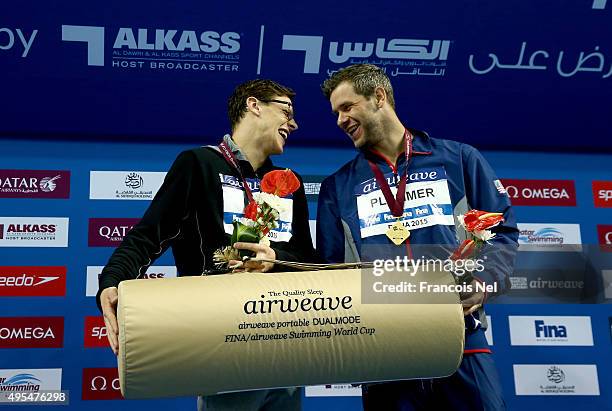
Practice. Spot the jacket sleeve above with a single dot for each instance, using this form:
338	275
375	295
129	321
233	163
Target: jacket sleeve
299	248
160	224
330	235
484	192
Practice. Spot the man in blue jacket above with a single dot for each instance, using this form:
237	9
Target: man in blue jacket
437	181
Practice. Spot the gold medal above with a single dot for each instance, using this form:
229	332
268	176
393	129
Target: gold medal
398	233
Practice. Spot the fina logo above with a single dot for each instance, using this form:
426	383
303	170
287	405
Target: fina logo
162	40
134	181
397	49
549	331
555	374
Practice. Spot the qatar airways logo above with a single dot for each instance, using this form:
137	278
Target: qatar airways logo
159	49
33	232
541	192
101	384
109	232
31	332
34	184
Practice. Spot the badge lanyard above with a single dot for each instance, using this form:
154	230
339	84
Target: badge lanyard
233	161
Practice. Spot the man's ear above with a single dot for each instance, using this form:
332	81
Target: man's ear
380	97
252	105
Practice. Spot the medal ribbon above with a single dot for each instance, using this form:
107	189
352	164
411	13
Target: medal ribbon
396	204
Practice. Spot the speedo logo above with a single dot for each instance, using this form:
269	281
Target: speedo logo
33	281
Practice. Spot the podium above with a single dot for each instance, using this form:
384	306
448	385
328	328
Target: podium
234	332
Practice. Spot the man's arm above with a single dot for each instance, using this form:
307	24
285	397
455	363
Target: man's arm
148	239
330	235
483	194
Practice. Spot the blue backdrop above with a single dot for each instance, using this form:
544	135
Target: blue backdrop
121	86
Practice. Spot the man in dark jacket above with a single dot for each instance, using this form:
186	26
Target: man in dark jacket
441	180
202	194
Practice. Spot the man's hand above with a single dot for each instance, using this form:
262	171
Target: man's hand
261	251
472	301
108	301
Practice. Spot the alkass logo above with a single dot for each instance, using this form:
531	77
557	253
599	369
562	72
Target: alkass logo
109	232
33	232
30	380
32	281
17	39
404	56
34	184
604	233
138	48
31	332
154	271
602	193
95	332
541	192
101	384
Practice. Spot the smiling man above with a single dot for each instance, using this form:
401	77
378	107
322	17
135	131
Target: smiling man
193	212
403	192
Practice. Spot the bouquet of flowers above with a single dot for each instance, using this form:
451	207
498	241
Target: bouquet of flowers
260	215
478	225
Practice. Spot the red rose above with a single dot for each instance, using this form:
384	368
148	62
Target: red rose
280	183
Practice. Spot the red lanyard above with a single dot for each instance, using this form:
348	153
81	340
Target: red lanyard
233	161
396	204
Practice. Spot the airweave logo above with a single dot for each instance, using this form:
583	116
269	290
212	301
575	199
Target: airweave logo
550	330
31	332
159	49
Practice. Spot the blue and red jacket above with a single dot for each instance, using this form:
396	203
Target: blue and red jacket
445	179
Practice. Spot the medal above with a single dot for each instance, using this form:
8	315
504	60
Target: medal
396	232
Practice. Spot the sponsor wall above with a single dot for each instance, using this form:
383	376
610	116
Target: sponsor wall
549	352
154	81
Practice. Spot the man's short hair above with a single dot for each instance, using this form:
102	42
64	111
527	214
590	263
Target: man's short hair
261	89
364	78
